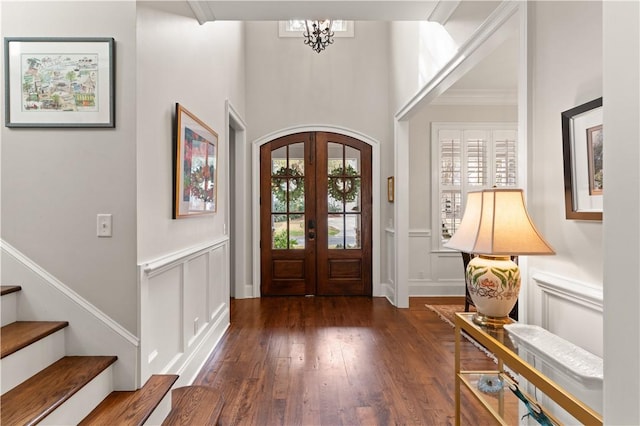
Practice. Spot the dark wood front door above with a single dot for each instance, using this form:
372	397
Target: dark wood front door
315	215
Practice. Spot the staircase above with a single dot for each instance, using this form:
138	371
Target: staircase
42	384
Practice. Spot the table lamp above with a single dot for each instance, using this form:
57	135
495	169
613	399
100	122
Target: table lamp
496	226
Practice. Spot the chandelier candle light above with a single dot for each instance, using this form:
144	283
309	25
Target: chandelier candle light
318	35
495	226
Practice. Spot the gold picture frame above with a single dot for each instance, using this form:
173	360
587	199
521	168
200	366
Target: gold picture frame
195	173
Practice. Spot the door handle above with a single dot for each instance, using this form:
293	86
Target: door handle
312	229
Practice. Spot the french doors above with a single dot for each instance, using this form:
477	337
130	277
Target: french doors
315	215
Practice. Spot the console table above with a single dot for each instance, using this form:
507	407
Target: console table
498	342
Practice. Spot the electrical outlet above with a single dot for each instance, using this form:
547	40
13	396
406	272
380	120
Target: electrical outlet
105	224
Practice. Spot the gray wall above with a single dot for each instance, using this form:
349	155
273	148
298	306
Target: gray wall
347	85
199	66
55	181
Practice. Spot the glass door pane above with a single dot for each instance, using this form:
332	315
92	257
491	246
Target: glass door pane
344	196
287	197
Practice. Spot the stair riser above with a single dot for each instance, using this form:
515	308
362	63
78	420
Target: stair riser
161	412
9	308
21	365
86	399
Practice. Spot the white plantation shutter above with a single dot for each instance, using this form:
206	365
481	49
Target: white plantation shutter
469	157
506	158
477	157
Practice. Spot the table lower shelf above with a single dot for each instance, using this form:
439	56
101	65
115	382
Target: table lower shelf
499	400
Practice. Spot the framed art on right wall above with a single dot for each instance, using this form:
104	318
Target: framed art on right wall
582	147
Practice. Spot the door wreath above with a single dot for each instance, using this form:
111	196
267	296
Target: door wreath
350	187
279	184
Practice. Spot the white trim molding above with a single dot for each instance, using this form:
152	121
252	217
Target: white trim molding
239	236
202	11
477	97
507	19
483	39
571	290
91	331
184	309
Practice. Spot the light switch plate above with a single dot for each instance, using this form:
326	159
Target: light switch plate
105	224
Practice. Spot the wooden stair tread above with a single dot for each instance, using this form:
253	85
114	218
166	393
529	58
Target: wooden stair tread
8	289
131	407
194	405
38	396
20	334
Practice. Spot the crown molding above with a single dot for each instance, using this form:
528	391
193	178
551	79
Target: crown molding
202	11
477	97
443	11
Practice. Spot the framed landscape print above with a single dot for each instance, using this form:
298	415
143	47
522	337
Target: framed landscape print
59	82
195	172
582	141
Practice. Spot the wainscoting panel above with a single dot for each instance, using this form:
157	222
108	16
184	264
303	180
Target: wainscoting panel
195	301
388	285
569	309
163	320
433	273
184	310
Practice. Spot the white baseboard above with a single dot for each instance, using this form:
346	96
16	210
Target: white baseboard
430	288
388	291
191	366
184	310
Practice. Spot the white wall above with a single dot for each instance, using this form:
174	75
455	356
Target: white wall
405	37
420	148
436	273
566	71
199	66
55	181
346	86
621	97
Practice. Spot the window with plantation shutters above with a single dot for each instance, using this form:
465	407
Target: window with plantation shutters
469	157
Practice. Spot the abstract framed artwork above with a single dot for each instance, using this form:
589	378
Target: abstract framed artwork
582	142
59	82
195	171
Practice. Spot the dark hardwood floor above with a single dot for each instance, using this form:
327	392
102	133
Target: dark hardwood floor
339	361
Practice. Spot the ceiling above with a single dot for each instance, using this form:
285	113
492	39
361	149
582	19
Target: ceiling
273	10
496	73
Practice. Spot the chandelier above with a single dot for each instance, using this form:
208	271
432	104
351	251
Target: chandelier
318	34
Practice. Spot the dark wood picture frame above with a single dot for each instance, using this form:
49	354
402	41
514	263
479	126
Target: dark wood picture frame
579	125
59	82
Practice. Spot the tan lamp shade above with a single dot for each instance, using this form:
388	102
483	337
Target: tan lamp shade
496	222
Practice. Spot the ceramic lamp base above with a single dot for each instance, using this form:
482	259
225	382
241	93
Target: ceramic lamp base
493	284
